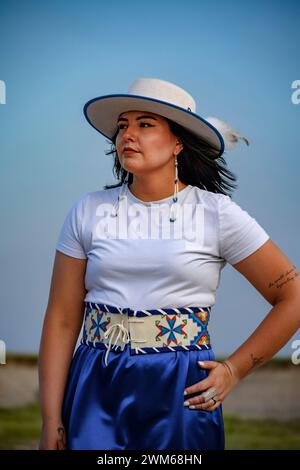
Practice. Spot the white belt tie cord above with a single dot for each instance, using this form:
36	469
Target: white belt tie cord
113	329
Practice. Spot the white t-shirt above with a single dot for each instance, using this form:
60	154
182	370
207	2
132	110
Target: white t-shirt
141	260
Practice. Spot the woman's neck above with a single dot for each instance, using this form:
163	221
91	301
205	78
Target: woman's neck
148	192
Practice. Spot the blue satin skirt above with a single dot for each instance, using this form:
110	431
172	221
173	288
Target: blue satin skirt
136	402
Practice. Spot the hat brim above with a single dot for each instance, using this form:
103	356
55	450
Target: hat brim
102	113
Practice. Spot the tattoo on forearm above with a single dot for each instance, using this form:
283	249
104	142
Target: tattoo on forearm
61	432
256	361
288	275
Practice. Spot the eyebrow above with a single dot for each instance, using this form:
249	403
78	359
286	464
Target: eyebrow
138	118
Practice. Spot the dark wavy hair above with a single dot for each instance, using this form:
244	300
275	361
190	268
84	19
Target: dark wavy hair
198	164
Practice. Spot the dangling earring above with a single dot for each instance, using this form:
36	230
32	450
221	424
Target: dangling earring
175	197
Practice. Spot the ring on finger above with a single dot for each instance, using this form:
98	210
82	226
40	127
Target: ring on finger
209	394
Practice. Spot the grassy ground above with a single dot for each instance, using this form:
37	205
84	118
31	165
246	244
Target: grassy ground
20	429
261	434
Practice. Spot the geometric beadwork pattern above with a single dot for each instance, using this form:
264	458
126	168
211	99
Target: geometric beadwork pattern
146	331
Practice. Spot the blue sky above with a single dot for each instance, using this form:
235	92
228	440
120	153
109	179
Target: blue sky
237	59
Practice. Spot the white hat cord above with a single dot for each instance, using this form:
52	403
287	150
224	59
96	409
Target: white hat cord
124	191
122	195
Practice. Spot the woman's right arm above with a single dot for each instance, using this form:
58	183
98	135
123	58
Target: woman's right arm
62	324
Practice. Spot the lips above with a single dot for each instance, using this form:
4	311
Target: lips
129	149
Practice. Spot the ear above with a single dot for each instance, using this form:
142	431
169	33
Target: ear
179	146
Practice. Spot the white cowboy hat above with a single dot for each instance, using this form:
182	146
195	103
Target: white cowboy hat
156	96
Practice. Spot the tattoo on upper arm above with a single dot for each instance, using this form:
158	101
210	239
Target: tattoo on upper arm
285	277
256	361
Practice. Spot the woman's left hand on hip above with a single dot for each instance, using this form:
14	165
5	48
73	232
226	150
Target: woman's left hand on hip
220	381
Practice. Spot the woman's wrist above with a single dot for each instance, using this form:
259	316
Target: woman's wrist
52	421
232	370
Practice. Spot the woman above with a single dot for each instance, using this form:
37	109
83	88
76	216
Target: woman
139	264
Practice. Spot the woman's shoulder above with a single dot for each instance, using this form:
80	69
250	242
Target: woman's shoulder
207	197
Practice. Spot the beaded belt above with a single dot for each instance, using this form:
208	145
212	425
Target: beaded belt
147	331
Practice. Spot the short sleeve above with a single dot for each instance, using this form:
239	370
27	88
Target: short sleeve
240	235
70	240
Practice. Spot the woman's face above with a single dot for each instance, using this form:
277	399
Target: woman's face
151	138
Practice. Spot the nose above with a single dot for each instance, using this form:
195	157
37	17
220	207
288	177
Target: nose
128	134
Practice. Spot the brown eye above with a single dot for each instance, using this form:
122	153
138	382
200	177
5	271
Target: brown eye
120	126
